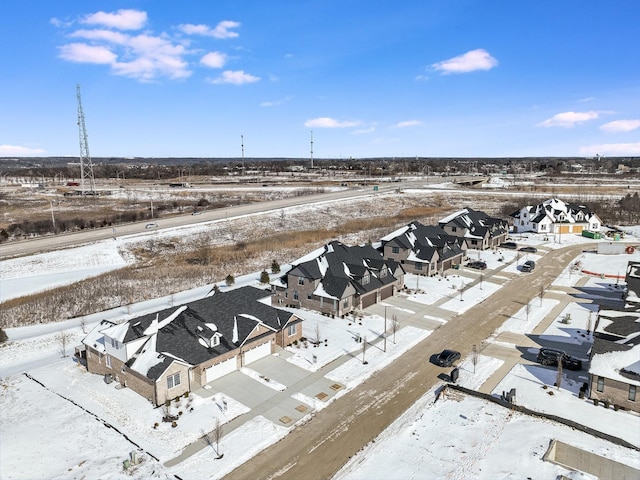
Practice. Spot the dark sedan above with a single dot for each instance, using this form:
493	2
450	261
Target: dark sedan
529	249
447	357
510	245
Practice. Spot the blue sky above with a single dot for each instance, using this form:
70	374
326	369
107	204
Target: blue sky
468	78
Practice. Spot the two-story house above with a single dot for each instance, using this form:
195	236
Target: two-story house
479	229
423	249
555	216
337	279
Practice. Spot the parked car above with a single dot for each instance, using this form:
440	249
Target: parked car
529	249
151	225
528	266
509	245
550	356
478	265
447	357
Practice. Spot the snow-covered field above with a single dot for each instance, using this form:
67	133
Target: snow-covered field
59	431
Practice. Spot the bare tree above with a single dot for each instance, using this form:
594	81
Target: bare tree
481	279
541	294
213	438
63	339
474	357
527	310
83	324
394	327
559	372
364	350
317	332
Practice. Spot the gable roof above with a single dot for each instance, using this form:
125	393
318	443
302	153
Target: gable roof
477	224
556	211
185	333
343	269
425	241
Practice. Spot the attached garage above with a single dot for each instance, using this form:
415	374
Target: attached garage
221	369
386	292
257	353
368	300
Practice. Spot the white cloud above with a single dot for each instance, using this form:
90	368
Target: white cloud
421	78
238	77
214	60
122	19
222	30
364	131
407	123
612	149
588	99
110	36
327	122
620	126
83	53
276	103
471	61
569	119
19	151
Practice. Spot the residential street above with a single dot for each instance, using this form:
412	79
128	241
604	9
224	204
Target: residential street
318	448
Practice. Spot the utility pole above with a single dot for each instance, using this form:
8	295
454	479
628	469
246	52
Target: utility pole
242	145
312	149
86	167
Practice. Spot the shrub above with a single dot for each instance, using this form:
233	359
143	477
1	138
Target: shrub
264	277
596	402
3	336
275	267
230	280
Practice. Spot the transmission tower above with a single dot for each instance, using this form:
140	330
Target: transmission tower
86	167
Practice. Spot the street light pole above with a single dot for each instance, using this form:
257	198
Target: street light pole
384	333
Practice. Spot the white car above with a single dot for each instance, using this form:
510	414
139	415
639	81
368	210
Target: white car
151	225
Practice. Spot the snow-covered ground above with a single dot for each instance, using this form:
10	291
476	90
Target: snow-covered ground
454	438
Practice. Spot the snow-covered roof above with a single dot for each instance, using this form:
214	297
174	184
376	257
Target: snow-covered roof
610	364
95	338
117	332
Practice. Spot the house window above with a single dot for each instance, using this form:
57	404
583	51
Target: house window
309	297
453	229
215	341
114	343
295	295
383	272
632	393
291	329
600	387
418	266
173	380
543	227
345	304
395	249
107	360
300	281
365	279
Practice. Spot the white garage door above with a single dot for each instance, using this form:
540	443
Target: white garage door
221	369
257	353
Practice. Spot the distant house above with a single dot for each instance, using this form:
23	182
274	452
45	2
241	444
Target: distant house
423	249
479	229
555	216
337	279
614	372
165	354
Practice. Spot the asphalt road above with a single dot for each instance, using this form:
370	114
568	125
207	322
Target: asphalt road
320	447
44	244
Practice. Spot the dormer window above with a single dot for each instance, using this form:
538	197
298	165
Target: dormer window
215	341
383	272
366	279
300	281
